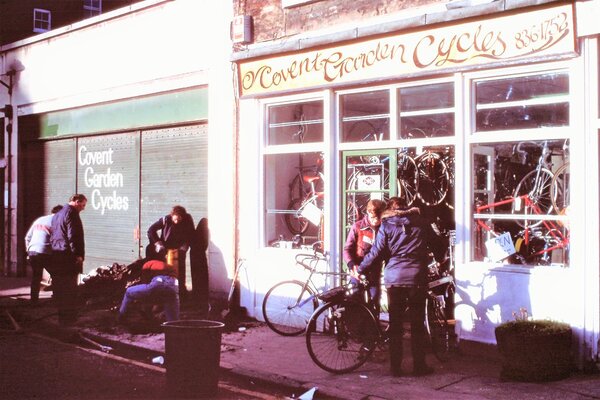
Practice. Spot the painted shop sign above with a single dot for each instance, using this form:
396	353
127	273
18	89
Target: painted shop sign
102	183
540	33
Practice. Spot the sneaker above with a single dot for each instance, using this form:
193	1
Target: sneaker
423	370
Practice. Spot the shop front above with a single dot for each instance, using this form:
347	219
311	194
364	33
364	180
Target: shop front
131	177
476	122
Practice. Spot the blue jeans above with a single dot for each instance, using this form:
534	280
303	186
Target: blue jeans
162	289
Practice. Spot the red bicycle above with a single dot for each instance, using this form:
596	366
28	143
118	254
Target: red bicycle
541	235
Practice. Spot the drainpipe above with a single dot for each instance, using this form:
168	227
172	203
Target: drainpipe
5	164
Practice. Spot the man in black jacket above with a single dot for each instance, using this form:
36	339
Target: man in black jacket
404	241
68	253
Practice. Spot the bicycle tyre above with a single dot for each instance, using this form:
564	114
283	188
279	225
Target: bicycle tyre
560	189
438	329
341	336
433	178
543	200
298	188
296	223
280	311
407	181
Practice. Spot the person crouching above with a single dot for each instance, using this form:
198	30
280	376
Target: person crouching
159	287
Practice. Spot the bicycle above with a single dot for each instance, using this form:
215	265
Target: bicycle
288	305
527	242
308	209
425	176
343	333
537	184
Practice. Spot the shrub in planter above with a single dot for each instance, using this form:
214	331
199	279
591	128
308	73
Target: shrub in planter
534	350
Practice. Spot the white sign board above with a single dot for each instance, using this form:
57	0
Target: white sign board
500	247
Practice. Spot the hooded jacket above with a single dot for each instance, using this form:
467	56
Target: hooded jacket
404	241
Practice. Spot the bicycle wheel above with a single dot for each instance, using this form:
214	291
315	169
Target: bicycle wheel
437	327
298	188
560	189
538	188
408	185
295	222
287	307
433	178
341	336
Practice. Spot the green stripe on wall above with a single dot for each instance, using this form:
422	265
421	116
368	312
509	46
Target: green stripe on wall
164	109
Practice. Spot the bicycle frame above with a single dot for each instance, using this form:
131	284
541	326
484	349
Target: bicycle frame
312	268
553	228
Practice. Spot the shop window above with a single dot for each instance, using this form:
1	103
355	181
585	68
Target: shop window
365	116
426	111
294	180
295	123
521	202
42	20
526	102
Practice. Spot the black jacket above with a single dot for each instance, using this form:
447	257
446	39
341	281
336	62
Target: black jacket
173	236
67	232
404	242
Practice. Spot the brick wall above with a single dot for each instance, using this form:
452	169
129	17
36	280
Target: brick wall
271	22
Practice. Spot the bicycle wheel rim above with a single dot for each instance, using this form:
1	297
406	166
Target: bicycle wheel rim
542	199
433	179
438	330
281	309
559	190
341	336
295	222
406	180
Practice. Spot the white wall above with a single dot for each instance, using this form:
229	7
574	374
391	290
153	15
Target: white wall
151	47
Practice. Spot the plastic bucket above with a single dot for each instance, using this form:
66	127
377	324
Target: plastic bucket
192	357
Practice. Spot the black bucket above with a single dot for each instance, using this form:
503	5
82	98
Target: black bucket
192	357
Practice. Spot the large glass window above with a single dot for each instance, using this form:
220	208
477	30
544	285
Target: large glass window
426	111
521	188
365	116
524	102
294	181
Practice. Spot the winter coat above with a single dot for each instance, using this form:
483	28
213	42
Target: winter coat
172	236
404	241
67	232
359	241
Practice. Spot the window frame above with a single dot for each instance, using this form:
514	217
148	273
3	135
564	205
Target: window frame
37	12
92	8
473	138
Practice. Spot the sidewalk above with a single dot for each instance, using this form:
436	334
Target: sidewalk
256	352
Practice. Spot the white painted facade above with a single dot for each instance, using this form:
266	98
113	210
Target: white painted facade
149	48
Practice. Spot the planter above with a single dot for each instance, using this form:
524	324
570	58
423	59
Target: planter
534	351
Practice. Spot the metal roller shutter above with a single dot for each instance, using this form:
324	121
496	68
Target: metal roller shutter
174	170
108	174
49	176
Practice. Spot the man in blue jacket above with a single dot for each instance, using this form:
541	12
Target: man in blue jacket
68	253
403	242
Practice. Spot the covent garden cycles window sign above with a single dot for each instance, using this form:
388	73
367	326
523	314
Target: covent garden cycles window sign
544	33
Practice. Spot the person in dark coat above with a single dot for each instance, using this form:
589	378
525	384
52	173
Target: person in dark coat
68	254
176	233
199	266
404	242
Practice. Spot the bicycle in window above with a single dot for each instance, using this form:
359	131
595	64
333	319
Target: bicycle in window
288	305
540	236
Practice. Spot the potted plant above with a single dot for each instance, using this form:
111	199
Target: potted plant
534	350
